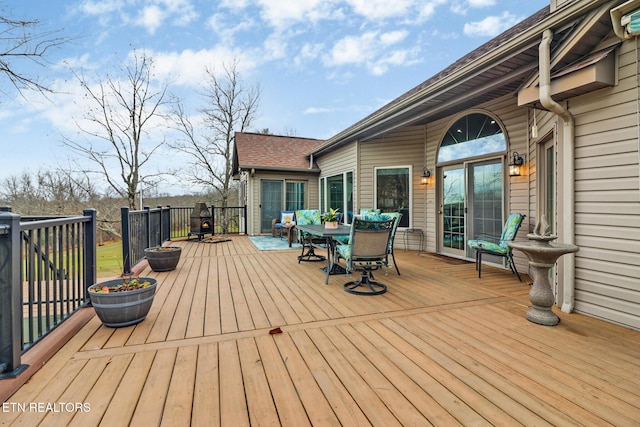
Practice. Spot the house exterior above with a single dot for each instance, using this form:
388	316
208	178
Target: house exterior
560	92
275	174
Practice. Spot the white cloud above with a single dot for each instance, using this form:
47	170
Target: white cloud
275	46
371	49
282	14
318	110
410	11
234	4
188	66
491	25
444	36
151	18
220	24
481	3
353	49
393	37
381	9
460	7
182	10
308	52
101	7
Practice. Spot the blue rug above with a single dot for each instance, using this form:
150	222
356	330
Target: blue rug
268	243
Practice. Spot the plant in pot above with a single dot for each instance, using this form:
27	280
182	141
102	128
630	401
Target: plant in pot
330	218
163	258
124	301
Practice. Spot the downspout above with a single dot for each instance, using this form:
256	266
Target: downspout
568	161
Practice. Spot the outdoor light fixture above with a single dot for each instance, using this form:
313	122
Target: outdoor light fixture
516	164
426	173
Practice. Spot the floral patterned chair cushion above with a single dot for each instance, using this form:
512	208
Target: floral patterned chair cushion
308	217
501	247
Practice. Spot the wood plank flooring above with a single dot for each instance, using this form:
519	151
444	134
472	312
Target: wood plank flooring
439	348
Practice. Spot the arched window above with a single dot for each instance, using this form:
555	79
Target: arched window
473	135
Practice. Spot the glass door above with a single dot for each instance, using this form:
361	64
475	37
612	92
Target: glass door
485	210
471	205
452	210
270	203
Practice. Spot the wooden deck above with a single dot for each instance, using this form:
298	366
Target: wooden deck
440	348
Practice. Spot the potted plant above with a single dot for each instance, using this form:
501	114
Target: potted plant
124	301
163	258
330	218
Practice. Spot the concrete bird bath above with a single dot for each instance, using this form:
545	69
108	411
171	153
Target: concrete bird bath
542	256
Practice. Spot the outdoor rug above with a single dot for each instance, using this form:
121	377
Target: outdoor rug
268	243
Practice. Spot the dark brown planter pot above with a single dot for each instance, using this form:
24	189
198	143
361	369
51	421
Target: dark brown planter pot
118	309
163	258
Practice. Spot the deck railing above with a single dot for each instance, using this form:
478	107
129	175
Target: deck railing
48	263
143	229
152	227
46	266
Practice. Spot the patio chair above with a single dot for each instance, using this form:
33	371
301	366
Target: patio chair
308	241
396	216
279	225
367	251
369	211
501	247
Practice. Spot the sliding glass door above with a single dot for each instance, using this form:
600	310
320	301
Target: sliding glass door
270	202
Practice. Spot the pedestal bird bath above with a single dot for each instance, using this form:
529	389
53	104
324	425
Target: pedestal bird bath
542	255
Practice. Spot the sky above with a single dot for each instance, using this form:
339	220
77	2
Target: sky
322	65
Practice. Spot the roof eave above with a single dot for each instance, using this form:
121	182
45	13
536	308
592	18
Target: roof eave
313	170
528	36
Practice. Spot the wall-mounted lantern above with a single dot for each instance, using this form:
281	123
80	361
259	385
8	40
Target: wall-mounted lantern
426	173
515	167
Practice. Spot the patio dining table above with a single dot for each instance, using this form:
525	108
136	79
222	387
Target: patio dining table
328	234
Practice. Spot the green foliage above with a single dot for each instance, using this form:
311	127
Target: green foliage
331	215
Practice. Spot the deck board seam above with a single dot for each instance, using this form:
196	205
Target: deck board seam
231	336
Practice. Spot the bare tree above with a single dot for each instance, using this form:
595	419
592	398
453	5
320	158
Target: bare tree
21	41
230	107
117	125
50	192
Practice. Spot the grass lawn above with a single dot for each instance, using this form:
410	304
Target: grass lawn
109	260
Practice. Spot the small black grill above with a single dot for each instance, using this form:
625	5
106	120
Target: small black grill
201	221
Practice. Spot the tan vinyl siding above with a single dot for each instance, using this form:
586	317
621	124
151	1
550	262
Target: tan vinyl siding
404	147
343	159
311	197
607	220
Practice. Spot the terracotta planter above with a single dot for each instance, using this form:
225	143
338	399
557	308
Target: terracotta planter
331	224
118	309
163	258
